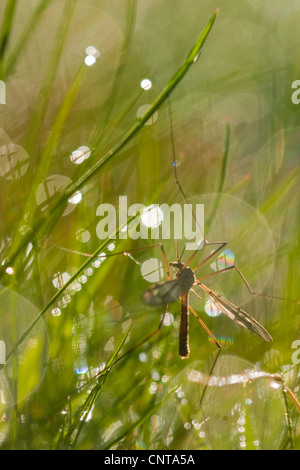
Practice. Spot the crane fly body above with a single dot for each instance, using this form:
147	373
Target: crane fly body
169	291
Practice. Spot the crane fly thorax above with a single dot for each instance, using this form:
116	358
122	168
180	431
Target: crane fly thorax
187	279
169	291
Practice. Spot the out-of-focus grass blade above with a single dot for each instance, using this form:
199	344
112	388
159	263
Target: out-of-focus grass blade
283	190
222	179
66	285
131	15
144	418
272	203
49	150
292	397
44	93
27	32
58	207
5	30
39	113
87	406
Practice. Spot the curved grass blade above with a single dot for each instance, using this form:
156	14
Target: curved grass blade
65	286
58	207
6	29
27	32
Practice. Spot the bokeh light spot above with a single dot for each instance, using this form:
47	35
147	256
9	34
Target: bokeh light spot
152	270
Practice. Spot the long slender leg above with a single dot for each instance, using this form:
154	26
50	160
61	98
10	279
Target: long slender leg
205	418
196	294
206	242
222	245
145	339
160	245
246	283
125	252
175	170
174	158
122	356
178	182
205	327
209	376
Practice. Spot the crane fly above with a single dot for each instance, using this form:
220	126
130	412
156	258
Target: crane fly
179	288
169	291
185	278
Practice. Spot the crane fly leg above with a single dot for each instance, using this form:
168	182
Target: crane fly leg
205	327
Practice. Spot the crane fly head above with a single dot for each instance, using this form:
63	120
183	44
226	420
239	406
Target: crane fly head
179	265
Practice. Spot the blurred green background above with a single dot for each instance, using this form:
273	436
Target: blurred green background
61	116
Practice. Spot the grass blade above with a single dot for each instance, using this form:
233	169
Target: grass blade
93	395
27	32
6	29
65	286
59	206
144	418
44	93
116	86
222	179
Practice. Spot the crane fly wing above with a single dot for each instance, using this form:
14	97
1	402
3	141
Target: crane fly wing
244	319
237	314
163	293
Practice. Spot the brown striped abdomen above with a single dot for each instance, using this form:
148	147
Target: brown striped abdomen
184	350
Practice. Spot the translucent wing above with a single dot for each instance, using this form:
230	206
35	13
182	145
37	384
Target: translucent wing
163	293
237	314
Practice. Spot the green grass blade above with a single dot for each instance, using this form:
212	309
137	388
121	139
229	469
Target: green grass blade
119	75
49	150
65	286
6	29
93	395
144	418
59	206
43	97
27	32
221	180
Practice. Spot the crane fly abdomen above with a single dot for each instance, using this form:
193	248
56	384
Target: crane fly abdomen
184	350
169	291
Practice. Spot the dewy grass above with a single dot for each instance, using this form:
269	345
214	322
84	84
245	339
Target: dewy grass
75	428
40	110
57	208
102	127
65	286
44	96
49	150
117	408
